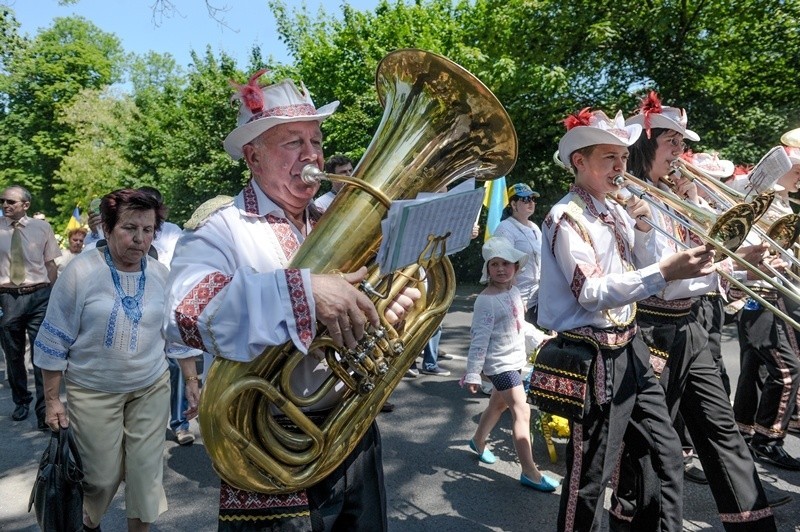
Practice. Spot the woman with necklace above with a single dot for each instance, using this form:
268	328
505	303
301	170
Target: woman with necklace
526	237
102	336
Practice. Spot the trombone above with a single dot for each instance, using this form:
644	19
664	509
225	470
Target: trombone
786	228
726	227
681	206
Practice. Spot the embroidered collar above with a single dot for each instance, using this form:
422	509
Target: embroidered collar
589	200
252	202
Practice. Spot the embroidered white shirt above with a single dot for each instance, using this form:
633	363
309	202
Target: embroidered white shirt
584	283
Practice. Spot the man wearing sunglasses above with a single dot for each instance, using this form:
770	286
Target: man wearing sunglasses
28	250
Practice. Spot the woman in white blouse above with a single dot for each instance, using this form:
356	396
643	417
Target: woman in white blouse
102	335
526	237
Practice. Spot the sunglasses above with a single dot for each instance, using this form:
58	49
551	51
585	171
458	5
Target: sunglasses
3	201
529	199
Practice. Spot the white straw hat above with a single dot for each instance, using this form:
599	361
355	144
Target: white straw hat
261	108
588	128
654	115
498	246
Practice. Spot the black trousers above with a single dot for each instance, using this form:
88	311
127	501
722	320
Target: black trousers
711	316
694	388
766	340
637	403
23	315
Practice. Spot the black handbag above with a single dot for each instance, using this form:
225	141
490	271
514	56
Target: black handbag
57	494
560	379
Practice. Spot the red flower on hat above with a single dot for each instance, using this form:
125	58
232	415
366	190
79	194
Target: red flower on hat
742	169
581	118
688	156
651	104
250	93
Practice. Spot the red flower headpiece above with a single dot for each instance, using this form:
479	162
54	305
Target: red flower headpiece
650	104
581	118
688	156
250	93
742	169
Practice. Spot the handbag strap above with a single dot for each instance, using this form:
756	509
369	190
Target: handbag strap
67	445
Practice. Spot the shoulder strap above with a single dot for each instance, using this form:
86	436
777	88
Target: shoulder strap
202	213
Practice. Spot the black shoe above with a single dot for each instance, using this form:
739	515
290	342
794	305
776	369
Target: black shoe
777	455
694	474
775	497
387	407
20	413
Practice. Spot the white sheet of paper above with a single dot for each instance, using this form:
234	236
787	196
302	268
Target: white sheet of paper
769	169
409	223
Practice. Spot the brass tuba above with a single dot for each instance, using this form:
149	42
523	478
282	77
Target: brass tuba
440	124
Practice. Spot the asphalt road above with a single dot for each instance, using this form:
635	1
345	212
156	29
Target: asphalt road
434	482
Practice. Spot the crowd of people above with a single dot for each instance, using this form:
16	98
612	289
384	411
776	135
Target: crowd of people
617	281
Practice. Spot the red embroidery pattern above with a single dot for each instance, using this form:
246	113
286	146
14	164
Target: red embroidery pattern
746	517
678	306
658	363
188	311
575	475
606	338
300	307
561	385
303	109
579	276
231	498
250	199
286	238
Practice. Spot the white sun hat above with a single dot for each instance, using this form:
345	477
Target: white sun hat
261	108
498	246
588	128
711	164
654	115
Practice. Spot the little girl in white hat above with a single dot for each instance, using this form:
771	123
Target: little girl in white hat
500	335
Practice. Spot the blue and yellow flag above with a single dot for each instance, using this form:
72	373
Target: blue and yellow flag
495	200
75	220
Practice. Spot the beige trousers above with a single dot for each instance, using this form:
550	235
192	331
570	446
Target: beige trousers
121	436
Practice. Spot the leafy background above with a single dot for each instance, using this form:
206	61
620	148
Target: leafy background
71	134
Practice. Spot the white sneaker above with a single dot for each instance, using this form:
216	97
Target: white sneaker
184	436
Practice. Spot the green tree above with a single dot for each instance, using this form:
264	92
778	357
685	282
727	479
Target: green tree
195	168
41	81
96	163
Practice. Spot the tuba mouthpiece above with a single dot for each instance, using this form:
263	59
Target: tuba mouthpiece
311	175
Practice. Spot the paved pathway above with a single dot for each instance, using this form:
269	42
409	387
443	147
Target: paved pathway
434	482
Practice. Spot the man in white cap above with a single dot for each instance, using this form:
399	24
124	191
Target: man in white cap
232	294
588	291
671	325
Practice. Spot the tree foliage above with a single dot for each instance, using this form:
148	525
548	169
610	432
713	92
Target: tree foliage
730	64
41	81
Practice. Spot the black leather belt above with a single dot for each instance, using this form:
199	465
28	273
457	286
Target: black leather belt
21	290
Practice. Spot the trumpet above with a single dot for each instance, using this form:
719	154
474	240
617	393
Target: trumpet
725	227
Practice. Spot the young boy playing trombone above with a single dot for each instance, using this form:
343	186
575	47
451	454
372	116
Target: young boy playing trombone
591	289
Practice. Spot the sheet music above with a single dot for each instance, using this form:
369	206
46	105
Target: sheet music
409	222
769	169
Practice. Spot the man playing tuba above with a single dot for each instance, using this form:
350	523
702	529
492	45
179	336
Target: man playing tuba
232	294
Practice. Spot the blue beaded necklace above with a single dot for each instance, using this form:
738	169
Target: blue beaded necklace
131	305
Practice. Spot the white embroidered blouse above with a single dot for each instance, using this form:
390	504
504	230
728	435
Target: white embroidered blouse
87	334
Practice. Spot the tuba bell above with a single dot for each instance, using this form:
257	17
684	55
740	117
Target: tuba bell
440	124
